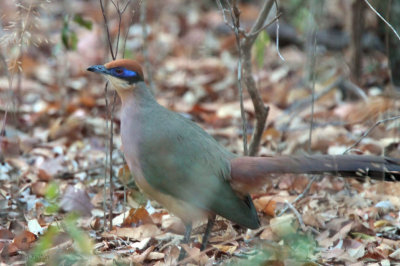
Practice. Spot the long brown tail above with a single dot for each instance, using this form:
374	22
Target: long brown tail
249	172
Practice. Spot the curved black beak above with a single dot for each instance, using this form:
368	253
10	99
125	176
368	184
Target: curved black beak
98	69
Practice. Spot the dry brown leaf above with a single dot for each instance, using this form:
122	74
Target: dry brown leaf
76	199
268	234
134	233
361	111
9	147
6	234
341	234
140	258
24	240
39	188
137	217
270	208
229	234
195	255
284	225
226	248
173	224
70	127
158	216
51	167
155	255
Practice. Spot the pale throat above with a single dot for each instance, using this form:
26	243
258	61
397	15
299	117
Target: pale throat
123	88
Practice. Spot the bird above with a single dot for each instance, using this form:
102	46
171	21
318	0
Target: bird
178	164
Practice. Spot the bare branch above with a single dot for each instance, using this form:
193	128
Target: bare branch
303	103
261	111
275	19
300	196
235	15
262	16
277	41
382	18
298	215
143	14
366	133
277	32
106	28
245	68
223	10
111	111
4	62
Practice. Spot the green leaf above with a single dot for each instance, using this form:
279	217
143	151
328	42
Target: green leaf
73	40
51	209
68	36
362	236
65	32
45	242
52	192
261	42
82	240
302	246
83	22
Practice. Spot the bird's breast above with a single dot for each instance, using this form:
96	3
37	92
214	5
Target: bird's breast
132	137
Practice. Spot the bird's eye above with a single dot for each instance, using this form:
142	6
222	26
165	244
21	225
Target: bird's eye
119	71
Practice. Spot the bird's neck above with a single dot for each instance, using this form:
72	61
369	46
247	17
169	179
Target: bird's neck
139	94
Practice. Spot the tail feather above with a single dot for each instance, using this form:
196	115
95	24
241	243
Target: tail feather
249	172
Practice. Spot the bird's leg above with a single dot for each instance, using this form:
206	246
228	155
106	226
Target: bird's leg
210	225
185	240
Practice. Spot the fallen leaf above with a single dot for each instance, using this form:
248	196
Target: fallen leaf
24	240
137	217
172	224
34	227
76	199
39	188
134	233
226	248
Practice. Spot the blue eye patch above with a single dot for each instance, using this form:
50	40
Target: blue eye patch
123	72
126	74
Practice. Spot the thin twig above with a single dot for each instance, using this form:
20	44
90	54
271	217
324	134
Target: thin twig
312	78
106	158
111	152
277	33
298	215
110	146
301	195
303	103
357	31
261	111
120	13
129	27
366	133
145	50
244	43
262	16
275	19
235	15
111	115
223	10
106	28
4	62
382	18
354	89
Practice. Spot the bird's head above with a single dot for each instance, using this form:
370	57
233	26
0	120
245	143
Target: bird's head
122	73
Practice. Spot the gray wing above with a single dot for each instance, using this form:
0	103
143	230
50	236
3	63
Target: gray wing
179	158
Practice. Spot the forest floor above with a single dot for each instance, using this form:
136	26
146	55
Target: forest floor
55	191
